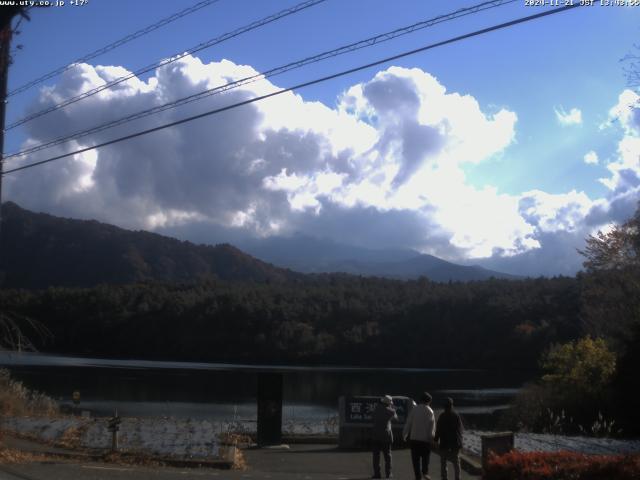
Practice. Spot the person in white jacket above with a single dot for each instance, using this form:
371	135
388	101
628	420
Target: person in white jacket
419	430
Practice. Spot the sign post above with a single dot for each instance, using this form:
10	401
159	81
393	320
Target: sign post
76	402
269	409
114	426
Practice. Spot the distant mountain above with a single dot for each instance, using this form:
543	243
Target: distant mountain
39	250
312	255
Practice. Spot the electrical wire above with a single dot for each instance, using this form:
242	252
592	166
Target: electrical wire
375	40
301	85
252	26
114	45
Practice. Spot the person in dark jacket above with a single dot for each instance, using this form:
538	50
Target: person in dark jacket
382	435
449	434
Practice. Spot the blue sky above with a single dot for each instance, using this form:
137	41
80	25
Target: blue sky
501	150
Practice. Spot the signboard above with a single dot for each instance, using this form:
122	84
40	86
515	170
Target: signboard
359	410
356	420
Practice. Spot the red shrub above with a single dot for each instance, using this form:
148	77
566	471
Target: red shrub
562	466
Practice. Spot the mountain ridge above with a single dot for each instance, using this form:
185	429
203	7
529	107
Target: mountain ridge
333	257
41	250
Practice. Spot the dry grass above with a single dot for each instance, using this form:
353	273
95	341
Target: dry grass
131	458
240	462
235	441
72	437
9	455
31	437
18	400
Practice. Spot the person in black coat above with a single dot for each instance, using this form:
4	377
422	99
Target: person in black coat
449	435
382	435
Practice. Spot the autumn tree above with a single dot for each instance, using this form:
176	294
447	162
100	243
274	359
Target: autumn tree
583	367
618	250
611	283
611	306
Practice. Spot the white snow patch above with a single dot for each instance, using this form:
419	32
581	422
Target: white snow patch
536	442
162	436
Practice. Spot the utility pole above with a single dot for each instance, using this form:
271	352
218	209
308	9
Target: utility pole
7	14
5	58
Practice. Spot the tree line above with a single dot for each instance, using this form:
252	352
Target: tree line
327	319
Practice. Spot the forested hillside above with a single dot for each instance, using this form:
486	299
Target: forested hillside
41	250
335	319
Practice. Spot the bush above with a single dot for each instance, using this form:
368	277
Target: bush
574	395
582	368
537	408
16	399
562	466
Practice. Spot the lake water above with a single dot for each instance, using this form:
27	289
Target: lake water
228	392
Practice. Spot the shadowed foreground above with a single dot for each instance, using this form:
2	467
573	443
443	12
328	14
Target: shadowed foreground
306	462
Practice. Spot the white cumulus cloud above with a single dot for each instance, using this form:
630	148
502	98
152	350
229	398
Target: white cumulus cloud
384	167
572	117
591	158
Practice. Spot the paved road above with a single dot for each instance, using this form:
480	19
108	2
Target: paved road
301	462
95	471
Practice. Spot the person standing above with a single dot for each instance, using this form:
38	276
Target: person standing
449	433
382	435
419	429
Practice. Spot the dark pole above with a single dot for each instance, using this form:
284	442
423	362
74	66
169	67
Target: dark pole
5	60
269	408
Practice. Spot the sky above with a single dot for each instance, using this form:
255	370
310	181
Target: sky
505	150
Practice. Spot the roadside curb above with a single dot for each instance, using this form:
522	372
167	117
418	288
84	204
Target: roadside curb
470	464
194	463
226	462
311	439
173	462
70	455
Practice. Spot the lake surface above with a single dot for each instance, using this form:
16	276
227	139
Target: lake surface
228	392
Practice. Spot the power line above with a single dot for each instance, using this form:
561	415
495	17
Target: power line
114	45
375	40
201	46
301	85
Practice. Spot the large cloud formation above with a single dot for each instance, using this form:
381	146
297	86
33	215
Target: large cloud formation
384	167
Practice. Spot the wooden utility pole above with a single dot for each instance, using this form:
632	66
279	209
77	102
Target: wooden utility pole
5	58
6	15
